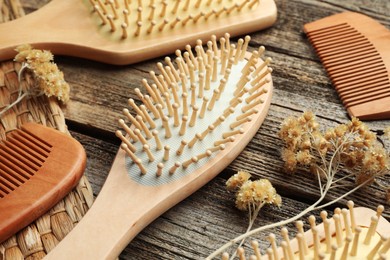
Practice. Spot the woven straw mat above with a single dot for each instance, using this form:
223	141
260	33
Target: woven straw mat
36	240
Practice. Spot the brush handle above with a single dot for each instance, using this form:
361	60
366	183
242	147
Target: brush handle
124	207
111	223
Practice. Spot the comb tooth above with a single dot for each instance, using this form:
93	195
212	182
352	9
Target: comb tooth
355	85
13	173
20	155
337	37
345	48
17	163
28	147
359	81
38	142
351	64
8	182
375	68
365	97
350	56
360	94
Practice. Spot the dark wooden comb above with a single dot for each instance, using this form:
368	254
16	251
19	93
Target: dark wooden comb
38	167
355	51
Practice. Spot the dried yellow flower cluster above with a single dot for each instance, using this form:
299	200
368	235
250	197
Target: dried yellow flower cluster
252	194
351	145
50	80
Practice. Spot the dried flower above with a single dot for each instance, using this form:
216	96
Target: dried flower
50	80
251	195
237	180
350	148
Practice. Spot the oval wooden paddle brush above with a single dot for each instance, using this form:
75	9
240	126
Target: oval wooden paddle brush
353	233
198	113
38	167
125	32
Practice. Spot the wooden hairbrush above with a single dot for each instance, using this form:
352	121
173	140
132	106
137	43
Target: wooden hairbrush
355	51
354	233
125	32
196	117
38	167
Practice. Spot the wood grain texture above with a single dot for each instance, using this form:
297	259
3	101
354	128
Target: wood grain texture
207	219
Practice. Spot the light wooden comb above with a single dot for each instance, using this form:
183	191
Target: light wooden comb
195	118
38	167
354	233
355	51
147	29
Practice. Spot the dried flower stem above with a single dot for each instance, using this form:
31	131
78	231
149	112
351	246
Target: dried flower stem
21	95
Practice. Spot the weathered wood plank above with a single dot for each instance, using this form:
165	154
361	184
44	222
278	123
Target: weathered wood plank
207	219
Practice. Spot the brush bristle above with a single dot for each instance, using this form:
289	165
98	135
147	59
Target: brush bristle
192	110
128	19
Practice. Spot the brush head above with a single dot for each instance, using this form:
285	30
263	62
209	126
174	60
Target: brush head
38	167
196	112
355	51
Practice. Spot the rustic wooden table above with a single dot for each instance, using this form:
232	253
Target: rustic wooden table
207	219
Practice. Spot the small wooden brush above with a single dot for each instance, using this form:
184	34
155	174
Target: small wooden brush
353	233
38	167
355	51
198	113
125	32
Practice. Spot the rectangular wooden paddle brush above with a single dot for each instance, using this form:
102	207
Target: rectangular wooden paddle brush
125	32
355	51
38	167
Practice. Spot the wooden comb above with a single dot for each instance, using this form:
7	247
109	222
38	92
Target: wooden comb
355	51
38	167
125	32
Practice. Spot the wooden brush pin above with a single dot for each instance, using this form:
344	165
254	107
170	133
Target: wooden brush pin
103	30
355	51
38	167
195	150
